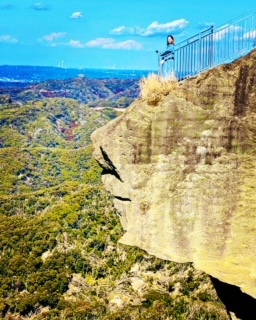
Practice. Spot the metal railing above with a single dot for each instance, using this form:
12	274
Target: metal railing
212	47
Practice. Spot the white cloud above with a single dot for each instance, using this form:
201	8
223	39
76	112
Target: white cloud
75	44
250	35
225	30
8	39
154	29
53	39
109	43
40	6
76	15
205	25
119	31
53	36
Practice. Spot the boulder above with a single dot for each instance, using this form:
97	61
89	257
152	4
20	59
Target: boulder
183	173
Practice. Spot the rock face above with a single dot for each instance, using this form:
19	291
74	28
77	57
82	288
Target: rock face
183	173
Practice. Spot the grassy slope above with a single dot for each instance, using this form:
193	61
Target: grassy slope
59	230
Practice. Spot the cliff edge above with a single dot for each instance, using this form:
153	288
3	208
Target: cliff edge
183	173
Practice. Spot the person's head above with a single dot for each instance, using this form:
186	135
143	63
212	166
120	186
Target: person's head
170	40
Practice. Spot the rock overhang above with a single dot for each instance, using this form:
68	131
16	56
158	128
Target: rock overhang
183	173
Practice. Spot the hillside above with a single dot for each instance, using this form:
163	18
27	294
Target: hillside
59	230
182	171
100	92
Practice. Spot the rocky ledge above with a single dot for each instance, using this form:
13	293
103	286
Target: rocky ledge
183	173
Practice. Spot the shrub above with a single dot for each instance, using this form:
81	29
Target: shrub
153	88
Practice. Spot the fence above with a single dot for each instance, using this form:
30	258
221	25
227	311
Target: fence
212	47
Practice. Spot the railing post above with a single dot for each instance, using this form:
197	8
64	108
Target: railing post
211	48
159	64
200	53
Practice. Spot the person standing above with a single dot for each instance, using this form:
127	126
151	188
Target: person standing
169	52
167	70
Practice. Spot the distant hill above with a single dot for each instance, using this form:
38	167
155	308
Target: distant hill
37	74
96	92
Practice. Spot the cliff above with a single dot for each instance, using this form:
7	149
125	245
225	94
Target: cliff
183	173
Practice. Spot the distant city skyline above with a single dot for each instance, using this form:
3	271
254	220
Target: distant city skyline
103	33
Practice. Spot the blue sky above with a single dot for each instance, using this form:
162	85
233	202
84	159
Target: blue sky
103	33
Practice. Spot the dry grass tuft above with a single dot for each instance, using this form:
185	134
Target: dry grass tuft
153	88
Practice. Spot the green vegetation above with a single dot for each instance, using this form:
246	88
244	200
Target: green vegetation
59	251
96	92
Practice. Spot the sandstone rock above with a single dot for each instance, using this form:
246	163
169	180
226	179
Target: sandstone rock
183	173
